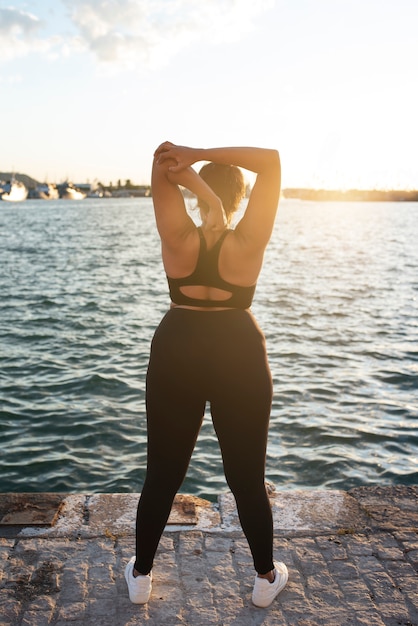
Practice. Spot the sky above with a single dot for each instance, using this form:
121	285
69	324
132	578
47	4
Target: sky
89	88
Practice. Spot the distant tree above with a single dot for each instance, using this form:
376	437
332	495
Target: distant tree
128	183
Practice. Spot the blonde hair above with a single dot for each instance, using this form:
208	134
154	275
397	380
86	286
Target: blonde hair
227	181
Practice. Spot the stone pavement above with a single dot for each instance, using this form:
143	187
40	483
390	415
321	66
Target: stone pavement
352	559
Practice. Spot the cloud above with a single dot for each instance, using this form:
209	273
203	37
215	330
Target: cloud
133	32
128	33
19	34
15	21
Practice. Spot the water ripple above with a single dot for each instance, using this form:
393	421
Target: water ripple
83	289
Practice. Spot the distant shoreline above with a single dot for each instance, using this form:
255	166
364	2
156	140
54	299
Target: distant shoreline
128	189
351	195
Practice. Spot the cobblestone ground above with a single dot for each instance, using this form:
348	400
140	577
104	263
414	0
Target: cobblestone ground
362	578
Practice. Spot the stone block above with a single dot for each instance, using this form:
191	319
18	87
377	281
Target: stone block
30	509
115	514
68	523
302	512
389	507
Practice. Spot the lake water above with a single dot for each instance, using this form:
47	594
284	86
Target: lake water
82	290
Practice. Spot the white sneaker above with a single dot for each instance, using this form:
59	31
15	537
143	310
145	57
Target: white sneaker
140	587
264	591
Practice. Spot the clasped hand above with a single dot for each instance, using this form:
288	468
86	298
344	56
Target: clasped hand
184	156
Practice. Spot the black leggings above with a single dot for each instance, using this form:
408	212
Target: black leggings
220	357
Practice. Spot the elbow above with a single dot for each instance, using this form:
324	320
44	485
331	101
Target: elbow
270	160
272	163
275	159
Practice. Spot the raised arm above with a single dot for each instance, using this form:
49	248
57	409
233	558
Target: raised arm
256	226
173	222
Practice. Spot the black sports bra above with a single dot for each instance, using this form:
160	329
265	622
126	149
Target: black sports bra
206	273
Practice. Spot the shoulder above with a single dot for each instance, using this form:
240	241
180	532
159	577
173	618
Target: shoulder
180	254
239	242
240	260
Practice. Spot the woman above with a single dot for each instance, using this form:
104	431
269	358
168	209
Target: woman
208	347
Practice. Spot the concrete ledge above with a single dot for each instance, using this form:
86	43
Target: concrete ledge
295	513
